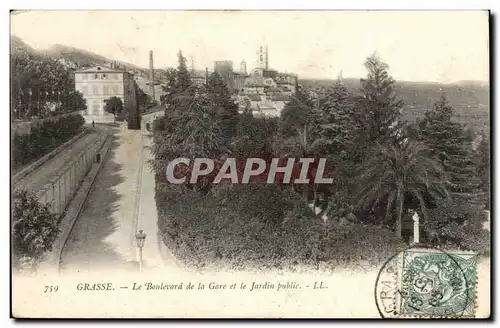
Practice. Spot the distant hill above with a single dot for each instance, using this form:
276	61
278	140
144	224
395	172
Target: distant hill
18	45
70	57
75	57
470	99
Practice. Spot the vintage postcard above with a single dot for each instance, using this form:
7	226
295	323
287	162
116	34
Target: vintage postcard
250	164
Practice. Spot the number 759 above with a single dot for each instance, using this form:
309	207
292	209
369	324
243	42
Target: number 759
51	289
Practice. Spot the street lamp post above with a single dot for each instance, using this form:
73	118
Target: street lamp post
141	238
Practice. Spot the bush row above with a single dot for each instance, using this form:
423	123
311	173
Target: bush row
43	139
260	226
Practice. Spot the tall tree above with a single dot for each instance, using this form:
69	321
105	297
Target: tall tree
452	146
338	142
300	119
226	107
169	87
192	131
183	76
338	127
397	172
114	105
379	109
177	82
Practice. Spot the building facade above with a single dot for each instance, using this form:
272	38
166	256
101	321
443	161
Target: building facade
265	89
99	83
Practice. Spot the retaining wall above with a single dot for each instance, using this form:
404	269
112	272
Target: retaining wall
59	191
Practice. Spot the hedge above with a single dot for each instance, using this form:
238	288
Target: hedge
45	138
262	227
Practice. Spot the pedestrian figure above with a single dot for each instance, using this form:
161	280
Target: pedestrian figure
93	125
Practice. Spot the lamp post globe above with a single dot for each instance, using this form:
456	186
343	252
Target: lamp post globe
141	238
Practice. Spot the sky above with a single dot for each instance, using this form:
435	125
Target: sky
438	46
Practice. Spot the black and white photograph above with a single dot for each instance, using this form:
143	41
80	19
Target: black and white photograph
250	164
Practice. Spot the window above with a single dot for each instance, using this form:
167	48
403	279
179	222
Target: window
115	89
104	76
95	90
105	90
85	90
84	76
96	76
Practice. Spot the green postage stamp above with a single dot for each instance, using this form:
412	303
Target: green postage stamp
433	283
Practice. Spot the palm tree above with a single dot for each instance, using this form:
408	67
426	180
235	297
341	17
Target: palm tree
396	171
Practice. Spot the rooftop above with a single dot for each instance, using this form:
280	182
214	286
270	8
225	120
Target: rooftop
280	98
254	97
101	69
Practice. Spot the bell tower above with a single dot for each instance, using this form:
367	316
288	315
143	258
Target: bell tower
262	57
243	67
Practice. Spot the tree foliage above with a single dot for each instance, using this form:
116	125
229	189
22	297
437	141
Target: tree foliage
396	172
452	146
338	127
36	80
114	105
381	168
300	120
34	227
379	109
226	108
42	139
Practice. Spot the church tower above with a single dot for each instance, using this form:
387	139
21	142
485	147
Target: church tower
262	57
243	67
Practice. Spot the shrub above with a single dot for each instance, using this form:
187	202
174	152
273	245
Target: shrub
458	223
34	228
43	139
261	226
347	244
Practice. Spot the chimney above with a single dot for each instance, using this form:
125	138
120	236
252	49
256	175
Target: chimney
152	74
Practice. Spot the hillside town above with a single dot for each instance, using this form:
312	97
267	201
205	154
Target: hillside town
279	163
264	90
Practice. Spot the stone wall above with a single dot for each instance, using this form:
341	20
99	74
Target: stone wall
60	190
150	117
